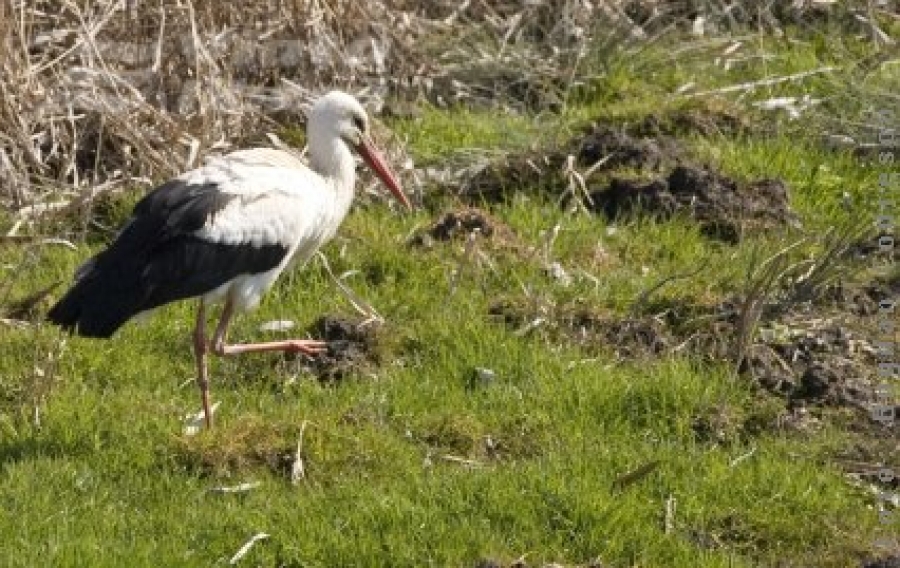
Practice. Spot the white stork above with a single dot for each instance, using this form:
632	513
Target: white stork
225	232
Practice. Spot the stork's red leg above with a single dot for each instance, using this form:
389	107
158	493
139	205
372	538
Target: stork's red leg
221	347
201	346
305	346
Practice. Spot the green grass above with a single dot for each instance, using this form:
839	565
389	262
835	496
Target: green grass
435	133
107	479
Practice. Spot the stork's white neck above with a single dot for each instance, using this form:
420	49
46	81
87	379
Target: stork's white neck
331	158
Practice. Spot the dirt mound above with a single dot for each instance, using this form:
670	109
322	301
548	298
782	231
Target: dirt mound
352	348
868	247
459	224
629	338
806	355
892	561
860	301
616	148
601	149
812	366
724	208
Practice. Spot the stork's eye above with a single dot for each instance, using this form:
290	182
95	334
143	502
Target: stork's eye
359	123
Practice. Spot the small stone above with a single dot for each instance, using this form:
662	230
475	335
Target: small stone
483	376
277	326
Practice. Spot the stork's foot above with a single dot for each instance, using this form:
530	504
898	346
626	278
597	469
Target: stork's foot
310	347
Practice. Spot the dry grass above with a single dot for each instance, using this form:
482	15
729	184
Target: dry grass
106	93
244	444
100	96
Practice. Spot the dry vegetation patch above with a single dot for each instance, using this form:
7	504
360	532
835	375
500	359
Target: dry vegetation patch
108	94
463	440
244	444
715	117
97	97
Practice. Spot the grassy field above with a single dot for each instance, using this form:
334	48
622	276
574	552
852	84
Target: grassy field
568	451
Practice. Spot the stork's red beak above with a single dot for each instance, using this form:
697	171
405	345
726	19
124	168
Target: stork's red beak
373	158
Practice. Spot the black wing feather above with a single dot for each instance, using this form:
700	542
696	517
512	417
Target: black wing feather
156	259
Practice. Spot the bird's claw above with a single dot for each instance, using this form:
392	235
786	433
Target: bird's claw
310	347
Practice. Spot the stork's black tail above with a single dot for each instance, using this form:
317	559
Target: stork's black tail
158	258
102	299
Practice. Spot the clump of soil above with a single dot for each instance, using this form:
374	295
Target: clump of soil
729	531
616	149
629	338
602	148
459	224
725	425
892	561
723	207
805	354
868	247
813	365
352	348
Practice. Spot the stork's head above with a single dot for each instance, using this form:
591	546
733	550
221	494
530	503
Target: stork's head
339	116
